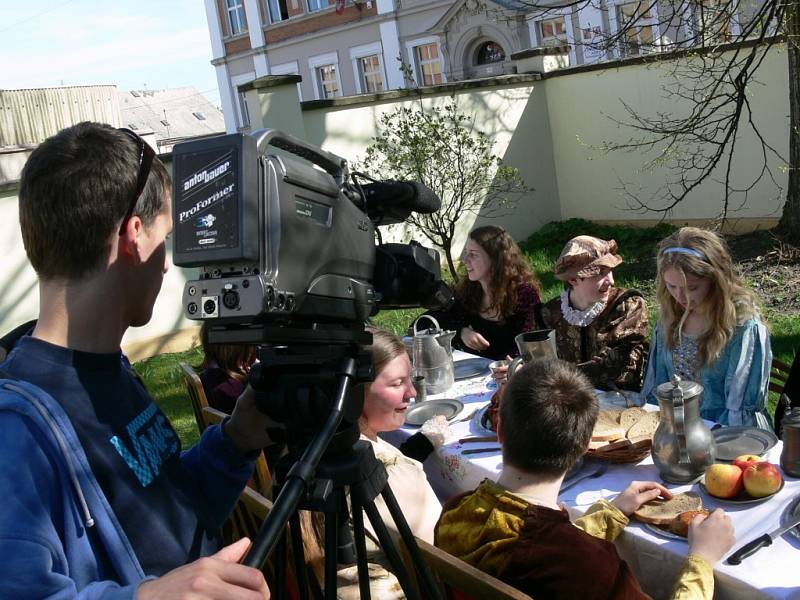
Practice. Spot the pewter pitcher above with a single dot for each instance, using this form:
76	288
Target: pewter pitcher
433	356
533	344
683	447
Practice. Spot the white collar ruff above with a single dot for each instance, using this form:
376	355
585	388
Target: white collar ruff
579	318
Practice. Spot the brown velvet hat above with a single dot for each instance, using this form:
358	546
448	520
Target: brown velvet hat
586	256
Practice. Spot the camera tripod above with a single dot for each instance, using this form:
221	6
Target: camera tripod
309	388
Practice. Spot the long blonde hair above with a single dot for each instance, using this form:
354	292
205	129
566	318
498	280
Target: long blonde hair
702	253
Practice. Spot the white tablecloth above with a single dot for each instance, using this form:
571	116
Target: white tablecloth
772	572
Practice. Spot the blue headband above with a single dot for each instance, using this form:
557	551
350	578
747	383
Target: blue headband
689	251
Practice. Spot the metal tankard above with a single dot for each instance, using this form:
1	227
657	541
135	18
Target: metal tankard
533	344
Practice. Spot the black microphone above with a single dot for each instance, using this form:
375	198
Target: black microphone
393	201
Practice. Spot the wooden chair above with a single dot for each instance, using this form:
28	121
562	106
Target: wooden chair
779	374
261	476
197	395
459	580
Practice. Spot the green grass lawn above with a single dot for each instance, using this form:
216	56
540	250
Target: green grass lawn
162	375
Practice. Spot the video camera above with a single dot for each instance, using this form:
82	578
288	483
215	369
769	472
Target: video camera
287	244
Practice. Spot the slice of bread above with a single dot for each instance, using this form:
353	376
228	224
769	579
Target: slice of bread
680	524
629	416
645	427
607	427
662	512
605	432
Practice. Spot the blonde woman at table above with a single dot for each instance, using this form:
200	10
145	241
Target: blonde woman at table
495	301
385	402
709	330
515	529
601	328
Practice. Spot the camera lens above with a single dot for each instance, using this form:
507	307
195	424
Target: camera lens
281	301
209	307
192	308
230	299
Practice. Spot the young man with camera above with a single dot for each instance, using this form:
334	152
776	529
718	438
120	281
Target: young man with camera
99	501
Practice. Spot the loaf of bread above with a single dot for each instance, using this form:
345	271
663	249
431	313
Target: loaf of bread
663	512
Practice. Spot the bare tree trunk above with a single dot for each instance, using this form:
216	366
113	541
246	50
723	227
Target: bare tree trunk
447	246
790	221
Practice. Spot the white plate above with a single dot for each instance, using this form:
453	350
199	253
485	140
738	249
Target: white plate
421	412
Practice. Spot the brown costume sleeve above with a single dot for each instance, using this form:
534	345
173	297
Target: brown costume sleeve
623	356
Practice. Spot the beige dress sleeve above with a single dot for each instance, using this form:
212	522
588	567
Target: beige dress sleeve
414	494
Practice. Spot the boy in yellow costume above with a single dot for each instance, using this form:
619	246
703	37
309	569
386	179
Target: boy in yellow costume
516	531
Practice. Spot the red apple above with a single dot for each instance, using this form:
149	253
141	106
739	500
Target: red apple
745	460
762	479
724	481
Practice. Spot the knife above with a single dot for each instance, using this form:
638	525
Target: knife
480	450
765	540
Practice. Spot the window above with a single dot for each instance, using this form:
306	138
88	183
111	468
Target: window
325	75
553	31
429	64
278	11
327	81
370	74
713	22
637	21
488	53
315	5
236	16
290	68
239	108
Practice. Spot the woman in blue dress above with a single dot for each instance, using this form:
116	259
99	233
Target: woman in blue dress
709	330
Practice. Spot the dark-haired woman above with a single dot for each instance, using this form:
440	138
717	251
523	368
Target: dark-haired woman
495	302
225	371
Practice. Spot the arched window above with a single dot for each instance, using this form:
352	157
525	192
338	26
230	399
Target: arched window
490	52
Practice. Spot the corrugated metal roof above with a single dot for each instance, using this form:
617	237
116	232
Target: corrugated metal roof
176	113
28	117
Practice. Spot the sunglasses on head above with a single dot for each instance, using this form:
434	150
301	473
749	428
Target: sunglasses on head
146	155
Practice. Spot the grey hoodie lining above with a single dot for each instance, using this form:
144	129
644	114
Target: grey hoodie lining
88	520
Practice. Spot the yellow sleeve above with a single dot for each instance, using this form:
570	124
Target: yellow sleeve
696	580
603	520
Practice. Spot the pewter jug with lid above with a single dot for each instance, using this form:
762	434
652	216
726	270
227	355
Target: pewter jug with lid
433	356
683	446
790	455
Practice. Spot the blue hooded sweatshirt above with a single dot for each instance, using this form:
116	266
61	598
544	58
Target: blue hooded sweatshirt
59	536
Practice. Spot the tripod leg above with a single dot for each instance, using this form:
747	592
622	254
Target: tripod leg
361	550
298	556
390	550
280	566
420	566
